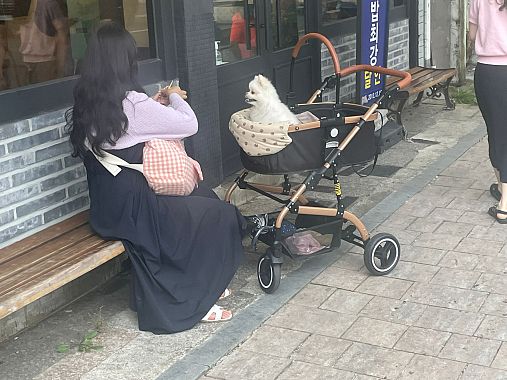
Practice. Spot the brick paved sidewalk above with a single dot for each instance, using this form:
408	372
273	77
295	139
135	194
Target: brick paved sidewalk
441	314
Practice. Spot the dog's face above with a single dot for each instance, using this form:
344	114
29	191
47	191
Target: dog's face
261	93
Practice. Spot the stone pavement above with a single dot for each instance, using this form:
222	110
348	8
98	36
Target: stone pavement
441	310
441	314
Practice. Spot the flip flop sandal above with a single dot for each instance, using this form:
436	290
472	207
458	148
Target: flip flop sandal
495	193
493	211
225	294
219	312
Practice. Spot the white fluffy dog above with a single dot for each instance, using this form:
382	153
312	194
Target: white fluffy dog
266	105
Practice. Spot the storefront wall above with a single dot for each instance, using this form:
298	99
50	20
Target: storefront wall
41	184
397	58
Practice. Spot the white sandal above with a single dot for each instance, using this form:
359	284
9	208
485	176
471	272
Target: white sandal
219	311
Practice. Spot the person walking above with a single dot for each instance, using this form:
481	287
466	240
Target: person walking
488	31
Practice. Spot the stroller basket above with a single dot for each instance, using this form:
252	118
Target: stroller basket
307	150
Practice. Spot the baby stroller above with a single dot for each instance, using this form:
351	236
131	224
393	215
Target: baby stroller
342	132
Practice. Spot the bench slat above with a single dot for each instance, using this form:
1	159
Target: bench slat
431	82
424	82
423	78
9	281
414	72
36	240
44	252
50	281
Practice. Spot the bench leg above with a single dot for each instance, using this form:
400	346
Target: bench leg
395	107
437	90
449	103
417	101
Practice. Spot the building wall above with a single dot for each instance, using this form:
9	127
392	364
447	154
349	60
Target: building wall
440	33
397	57
40	183
424	51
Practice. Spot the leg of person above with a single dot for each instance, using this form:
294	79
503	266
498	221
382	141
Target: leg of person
496	189
502	177
502	205
206	192
500	212
489	88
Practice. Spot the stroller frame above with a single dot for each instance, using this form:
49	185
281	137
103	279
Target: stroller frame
382	251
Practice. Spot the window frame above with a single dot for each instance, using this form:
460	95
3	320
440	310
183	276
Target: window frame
348	26
28	101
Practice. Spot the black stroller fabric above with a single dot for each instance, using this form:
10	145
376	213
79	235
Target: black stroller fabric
308	148
184	249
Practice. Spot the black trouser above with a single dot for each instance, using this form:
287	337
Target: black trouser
491	90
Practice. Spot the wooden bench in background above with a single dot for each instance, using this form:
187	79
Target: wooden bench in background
47	260
434	82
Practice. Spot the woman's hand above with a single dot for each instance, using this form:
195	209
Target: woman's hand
174	90
162	96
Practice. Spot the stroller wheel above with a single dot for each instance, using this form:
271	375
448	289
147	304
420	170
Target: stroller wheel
381	254
268	274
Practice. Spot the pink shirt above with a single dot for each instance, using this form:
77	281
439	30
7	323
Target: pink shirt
150	120
491	39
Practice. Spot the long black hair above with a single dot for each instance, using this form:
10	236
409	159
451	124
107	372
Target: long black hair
108	72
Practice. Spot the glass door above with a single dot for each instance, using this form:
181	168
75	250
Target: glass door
235	31
256	37
287	22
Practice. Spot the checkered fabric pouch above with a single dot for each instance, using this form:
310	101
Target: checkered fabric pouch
168	169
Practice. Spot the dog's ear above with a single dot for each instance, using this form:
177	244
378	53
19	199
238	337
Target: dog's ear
263	81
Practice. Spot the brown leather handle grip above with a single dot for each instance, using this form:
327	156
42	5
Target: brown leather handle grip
407	78
325	41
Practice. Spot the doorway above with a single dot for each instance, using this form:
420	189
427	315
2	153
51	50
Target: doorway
256	37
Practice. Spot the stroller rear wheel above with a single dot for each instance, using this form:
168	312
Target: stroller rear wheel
268	274
381	254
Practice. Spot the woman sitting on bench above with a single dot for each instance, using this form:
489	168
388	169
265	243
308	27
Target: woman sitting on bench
184	249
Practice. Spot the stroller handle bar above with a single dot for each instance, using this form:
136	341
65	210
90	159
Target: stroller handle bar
406	78
325	41
404	82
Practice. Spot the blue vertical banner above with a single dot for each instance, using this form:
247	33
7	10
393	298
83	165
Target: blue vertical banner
372	44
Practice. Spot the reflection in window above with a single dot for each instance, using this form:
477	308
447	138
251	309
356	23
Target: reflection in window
41	40
235	37
334	10
288	22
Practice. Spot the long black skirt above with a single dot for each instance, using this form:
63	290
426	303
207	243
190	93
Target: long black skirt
490	83
184	250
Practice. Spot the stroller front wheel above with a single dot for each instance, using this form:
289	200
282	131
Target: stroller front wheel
268	274
381	254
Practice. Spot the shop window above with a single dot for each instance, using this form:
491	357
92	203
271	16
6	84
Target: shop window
335	10
288	22
235	30
42	40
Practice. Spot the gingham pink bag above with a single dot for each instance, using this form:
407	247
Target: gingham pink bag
168	169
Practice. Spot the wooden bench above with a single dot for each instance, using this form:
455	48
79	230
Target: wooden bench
436	81
47	260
